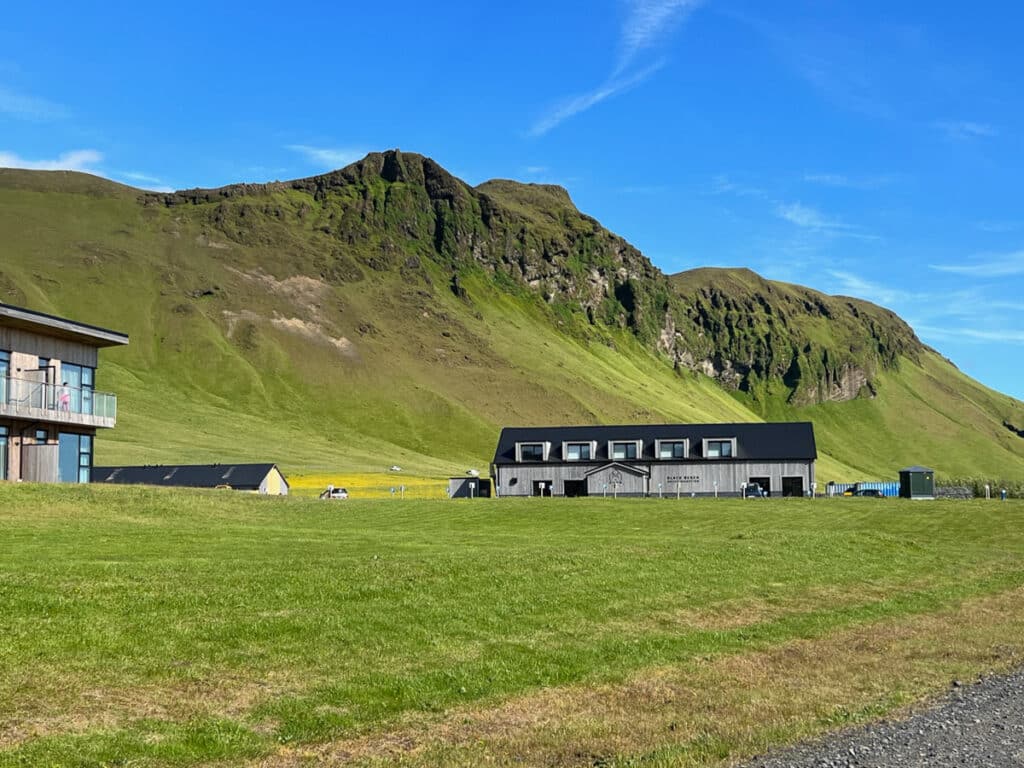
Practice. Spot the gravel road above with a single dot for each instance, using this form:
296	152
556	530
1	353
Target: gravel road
979	725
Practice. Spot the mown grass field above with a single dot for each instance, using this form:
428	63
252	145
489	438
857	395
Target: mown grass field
160	627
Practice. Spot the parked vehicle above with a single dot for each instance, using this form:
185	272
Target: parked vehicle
872	492
754	491
334	493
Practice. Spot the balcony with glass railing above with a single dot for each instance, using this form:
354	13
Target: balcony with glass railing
55	403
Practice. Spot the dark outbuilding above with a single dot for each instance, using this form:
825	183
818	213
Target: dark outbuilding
256	478
917	483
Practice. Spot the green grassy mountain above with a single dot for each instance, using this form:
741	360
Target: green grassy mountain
389	313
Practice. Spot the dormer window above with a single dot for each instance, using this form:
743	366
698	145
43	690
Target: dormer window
672	449
720	448
578	451
620	450
531	452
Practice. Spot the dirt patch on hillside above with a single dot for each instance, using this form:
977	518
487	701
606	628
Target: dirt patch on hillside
301	290
309	330
315	332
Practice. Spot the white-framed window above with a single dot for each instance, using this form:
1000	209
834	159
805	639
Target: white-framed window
620	450
720	448
579	451
673	449
531	451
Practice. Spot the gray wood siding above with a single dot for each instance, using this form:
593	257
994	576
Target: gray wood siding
39	463
688	477
700	478
37	345
616	481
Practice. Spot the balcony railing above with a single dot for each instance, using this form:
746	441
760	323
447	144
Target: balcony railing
56	402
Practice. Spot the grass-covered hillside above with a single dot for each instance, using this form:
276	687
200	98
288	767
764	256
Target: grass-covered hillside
159	627
388	313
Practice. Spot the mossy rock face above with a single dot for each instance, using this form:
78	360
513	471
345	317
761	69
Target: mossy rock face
731	325
823	348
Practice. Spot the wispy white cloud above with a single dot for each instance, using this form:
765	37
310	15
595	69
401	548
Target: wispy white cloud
850	182
862	288
84	161
977	335
535	170
328	158
723	184
808	218
814	221
965	130
76	160
583	102
139	179
648	22
137	176
990	266
33	108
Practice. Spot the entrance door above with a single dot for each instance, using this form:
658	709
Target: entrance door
542	487
792	486
764	482
575	487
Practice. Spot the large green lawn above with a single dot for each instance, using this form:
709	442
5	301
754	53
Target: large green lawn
152	627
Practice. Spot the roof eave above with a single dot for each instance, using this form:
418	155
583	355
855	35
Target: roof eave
28	320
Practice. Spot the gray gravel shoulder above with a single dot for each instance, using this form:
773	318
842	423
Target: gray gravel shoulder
981	725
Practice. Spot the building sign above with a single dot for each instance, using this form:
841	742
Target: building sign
683	479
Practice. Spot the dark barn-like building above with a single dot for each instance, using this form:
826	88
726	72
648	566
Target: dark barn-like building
256	478
656	459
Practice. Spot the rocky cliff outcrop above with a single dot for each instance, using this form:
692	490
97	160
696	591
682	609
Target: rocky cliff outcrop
396	211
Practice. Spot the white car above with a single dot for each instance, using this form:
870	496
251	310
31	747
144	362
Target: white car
334	493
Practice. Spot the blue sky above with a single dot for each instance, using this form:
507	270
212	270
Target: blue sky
862	148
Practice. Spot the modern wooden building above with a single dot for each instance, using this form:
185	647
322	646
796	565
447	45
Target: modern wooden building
49	407
656	459
255	478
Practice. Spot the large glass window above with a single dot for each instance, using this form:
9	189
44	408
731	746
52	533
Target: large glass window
624	450
75	461
577	452
75	388
5	374
3	453
719	449
531	452
672	449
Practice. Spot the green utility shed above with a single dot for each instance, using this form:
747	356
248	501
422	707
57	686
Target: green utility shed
917	483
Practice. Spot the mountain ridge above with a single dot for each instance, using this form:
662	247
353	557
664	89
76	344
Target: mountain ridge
394	308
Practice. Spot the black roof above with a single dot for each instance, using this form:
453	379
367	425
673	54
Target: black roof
61	327
778	441
243	477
